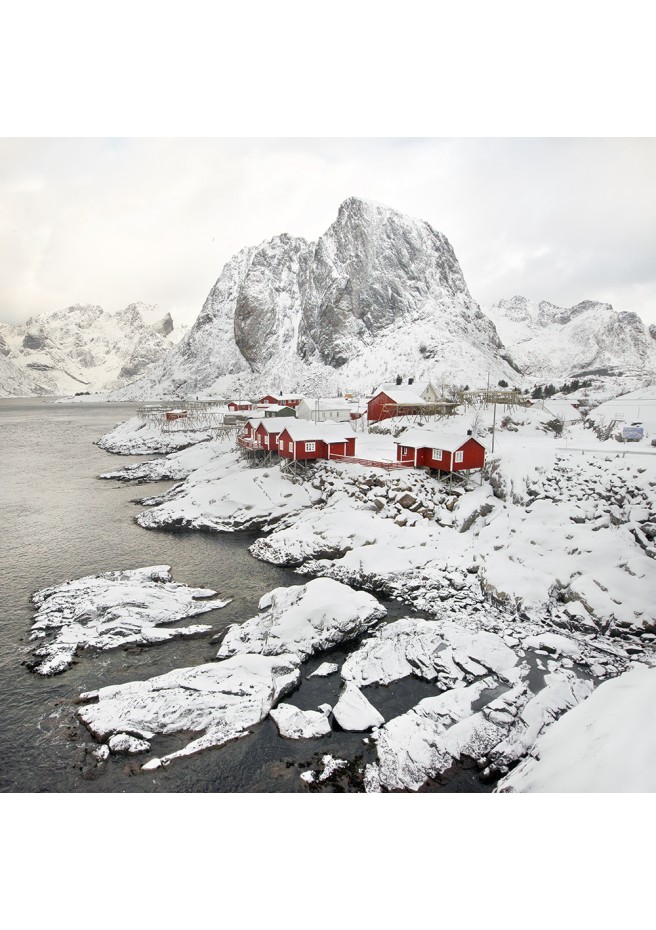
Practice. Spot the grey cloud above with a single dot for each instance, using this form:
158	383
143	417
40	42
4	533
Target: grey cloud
112	221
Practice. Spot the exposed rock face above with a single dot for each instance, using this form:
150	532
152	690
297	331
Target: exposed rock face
562	342
375	269
270	300
83	348
378	293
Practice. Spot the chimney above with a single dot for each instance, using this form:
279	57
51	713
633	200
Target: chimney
410	380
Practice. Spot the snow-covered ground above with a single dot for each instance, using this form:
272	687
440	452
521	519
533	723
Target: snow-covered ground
536	585
607	743
111	610
224	496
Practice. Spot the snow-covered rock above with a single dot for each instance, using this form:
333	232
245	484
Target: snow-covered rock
136	436
354	712
124	743
304	619
173	467
331	766
219	700
113	609
224	496
606	743
442	652
294	723
424	742
84	348
325	669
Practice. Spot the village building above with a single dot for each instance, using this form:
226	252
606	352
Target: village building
424	389
441	451
279	410
324	409
403	402
235	406
302	441
284	400
260	434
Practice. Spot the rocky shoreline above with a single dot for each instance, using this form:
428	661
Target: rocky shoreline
511	635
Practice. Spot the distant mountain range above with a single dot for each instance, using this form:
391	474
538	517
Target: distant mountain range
550	342
83	348
379	294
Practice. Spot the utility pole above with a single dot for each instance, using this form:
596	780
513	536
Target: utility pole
494	423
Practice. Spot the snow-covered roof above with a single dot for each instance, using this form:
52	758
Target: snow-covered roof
300	430
283	396
434	439
404	397
417	387
562	409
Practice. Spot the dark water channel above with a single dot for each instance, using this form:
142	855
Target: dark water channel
58	521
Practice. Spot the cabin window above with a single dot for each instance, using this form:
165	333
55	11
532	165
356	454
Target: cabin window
266	440
459	457
282	445
404	450
437	455
310	446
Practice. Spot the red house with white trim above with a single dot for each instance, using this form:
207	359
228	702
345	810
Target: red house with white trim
267	433
449	452
236	405
303	441
284	400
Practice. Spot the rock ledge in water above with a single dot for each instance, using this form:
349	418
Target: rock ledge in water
113	609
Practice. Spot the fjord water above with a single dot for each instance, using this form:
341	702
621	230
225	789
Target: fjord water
58	522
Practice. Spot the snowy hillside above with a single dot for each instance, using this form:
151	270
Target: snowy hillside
379	294
83	348
555	343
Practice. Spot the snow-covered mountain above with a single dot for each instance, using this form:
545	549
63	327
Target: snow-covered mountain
83	348
550	342
379	294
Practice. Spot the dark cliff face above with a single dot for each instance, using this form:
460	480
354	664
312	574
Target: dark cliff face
270	298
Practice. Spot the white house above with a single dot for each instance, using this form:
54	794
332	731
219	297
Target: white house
324	409
423	389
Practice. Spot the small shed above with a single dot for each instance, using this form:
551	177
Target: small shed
448	452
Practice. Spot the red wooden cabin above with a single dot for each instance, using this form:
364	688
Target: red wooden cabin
401	403
441	451
284	400
235	405
304	441
267	433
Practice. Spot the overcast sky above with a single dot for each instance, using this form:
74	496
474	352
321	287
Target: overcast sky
113	221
